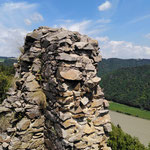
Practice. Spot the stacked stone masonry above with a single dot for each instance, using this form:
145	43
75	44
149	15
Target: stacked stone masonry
56	102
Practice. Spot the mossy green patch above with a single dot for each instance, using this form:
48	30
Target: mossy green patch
5	121
40	98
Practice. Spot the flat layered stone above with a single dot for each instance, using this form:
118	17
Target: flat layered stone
5	145
68	132
65	116
36	143
4	109
69	123
38	123
84	100
35	49
102	120
77	116
33	112
80	45
35	35
97	58
90	67
97	103
92	139
88	129
32	86
23	124
67	57
71	74
81	145
88	47
77	93
105	103
107	127
68	41
75	137
67	94
96	80
77	110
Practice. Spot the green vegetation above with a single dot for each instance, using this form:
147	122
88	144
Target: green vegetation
1	60
7	61
129	110
121	141
130	86
6	75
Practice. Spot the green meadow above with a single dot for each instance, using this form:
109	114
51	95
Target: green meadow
1	60
129	110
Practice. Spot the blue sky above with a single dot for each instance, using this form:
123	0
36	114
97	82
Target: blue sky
122	27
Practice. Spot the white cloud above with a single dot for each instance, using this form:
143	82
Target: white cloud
14	16
80	27
27	21
139	19
11	40
122	49
104	6
35	18
89	27
103	20
15	6
147	36
102	39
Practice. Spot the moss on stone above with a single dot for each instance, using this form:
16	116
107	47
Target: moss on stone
40	98
5	120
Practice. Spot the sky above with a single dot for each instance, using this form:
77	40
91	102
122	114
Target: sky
122	27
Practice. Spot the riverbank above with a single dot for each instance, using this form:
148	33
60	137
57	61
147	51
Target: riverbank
134	126
121	108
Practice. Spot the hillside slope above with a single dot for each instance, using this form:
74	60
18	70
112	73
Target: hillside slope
8	61
111	64
130	86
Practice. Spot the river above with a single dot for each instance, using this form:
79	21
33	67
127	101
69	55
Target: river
132	125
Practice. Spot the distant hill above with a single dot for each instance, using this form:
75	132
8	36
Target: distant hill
130	86
111	64
8	61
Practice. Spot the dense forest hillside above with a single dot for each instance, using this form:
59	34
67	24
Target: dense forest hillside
130	86
111	64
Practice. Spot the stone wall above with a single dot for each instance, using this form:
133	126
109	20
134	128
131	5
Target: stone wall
56	102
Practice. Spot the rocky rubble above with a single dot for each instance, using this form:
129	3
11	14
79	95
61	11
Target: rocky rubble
56	102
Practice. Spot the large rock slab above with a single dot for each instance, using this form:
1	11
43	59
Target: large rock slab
71	74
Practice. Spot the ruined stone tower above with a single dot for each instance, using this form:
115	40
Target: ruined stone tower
56	102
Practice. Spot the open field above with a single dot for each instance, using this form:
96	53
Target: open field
2	60
129	110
